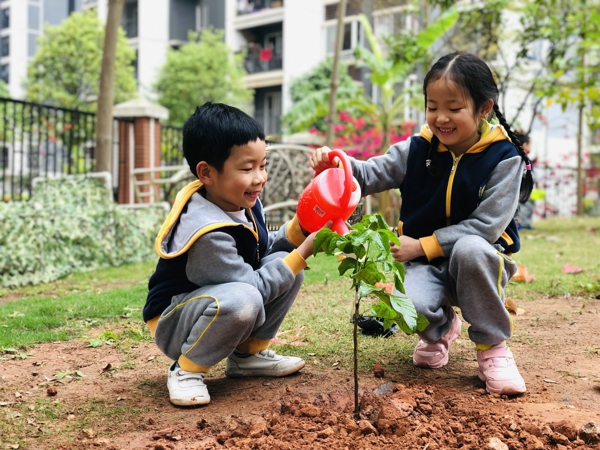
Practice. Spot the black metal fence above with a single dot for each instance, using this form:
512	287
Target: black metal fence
41	141
44	141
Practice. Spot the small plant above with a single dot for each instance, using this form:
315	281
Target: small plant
369	263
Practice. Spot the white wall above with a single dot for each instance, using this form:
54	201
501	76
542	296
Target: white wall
153	41
18	46
303	41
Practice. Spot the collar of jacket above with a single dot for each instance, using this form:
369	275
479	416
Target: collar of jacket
489	135
181	200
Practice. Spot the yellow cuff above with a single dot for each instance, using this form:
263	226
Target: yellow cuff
152	323
295	262
253	345
190	366
431	247
484	347
294	232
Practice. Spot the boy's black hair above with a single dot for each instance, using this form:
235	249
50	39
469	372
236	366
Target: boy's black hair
472	74
211	132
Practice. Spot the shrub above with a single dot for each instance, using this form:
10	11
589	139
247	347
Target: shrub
71	225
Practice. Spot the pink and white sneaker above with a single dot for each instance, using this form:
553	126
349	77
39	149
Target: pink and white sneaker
435	355
498	369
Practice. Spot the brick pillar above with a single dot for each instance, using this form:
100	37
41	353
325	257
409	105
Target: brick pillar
139	147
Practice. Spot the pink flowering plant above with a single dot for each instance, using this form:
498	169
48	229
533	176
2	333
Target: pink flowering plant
362	137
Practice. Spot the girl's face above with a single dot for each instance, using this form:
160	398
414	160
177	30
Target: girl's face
451	116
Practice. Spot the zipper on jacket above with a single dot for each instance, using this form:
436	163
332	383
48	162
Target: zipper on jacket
256	232
455	161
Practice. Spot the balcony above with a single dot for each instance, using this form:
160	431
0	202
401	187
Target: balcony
256	6
258	14
263	66
261	59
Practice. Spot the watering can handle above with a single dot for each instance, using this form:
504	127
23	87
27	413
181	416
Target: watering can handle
347	174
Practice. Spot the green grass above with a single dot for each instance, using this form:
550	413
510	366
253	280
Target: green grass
554	243
75	306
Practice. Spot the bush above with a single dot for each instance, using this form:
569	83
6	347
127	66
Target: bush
71	225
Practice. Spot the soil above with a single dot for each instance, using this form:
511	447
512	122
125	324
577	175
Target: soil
557	347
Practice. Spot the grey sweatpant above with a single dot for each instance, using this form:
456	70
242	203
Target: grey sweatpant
207	324
472	278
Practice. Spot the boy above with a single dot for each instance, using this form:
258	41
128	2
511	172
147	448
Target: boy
223	284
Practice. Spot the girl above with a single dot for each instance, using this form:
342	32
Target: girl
460	181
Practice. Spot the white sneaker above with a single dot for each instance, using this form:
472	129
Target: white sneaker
265	363
186	388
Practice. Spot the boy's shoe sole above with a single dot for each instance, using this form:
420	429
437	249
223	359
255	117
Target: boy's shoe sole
265	363
498	369
435	356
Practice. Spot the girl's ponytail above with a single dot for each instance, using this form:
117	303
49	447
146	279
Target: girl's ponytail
527	182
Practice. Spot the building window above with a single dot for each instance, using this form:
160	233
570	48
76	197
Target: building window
33	18
394	21
31	44
5	46
201	16
130	19
4	72
353	37
5	18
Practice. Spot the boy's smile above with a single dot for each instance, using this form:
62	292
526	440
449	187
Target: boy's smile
242	179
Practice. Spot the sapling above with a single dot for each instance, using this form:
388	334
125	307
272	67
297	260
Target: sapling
368	262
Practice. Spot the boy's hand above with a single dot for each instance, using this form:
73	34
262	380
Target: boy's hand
319	160
306	248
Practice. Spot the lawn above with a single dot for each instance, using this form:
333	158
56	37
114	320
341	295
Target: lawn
87	304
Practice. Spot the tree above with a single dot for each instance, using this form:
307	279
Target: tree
65	70
202	70
310	98
387	72
106	93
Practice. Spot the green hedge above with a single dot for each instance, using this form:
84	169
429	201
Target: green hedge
71	225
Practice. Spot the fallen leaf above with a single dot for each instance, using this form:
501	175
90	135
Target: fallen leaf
278	341
550	381
297	343
523	275
569	268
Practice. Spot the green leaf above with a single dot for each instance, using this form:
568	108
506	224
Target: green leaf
369	275
398	281
321	240
404	307
347	263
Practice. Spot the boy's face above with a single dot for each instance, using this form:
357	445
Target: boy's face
242	179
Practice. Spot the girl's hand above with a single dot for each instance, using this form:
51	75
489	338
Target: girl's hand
319	160
408	250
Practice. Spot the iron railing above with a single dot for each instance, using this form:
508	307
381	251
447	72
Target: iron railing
42	141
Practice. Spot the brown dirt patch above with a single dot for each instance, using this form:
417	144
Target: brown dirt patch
125	405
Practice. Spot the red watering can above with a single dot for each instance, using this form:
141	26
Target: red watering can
331	195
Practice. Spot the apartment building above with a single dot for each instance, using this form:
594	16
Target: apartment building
283	39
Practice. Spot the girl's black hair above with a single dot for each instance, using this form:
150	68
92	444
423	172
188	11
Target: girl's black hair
213	130
473	75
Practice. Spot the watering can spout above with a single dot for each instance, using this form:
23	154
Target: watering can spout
331	196
340	227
